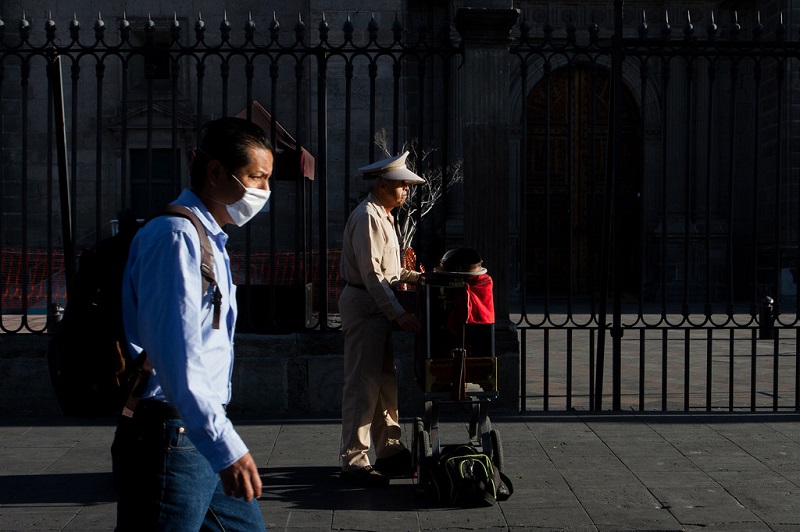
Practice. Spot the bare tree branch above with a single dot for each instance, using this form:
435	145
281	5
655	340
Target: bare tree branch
421	198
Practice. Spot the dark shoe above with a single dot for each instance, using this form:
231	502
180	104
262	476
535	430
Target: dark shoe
397	465
366	476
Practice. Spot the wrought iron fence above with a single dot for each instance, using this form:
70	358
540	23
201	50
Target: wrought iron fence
655	166
659	218
135	98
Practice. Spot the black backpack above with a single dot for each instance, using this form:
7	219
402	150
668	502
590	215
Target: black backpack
463	476
90	367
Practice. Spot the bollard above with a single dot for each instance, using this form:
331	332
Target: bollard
766	319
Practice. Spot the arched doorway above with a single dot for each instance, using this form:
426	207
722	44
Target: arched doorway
567	181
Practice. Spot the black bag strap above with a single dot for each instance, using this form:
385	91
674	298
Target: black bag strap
143	370
143	366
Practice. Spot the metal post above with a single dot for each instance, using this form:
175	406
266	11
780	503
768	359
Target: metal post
616	141
322	126
56	83
611	241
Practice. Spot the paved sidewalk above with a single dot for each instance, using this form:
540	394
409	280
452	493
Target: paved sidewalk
571	471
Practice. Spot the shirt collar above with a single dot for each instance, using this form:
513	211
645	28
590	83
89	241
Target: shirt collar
195	204
379	207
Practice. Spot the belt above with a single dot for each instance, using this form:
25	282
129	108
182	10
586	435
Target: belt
354	285
151	408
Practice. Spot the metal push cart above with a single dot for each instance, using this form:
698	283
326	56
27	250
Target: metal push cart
454	355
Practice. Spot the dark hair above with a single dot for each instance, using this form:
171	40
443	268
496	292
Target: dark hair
227	140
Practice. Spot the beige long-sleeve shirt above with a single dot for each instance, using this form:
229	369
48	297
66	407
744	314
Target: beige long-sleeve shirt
371	255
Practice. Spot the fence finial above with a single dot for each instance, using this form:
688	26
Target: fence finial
594	31
780	31
99	27
372	28
299	29
736	26
249	27
225	26
688	29
124	27
525	29
50	26
323	29
711	29
643	27
758	29
548	28
397	29
74	27
571	29
274	28
24	28
175	27
199	28
666	29
422	30
348	29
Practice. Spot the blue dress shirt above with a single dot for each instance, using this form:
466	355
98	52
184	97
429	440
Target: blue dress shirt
166	315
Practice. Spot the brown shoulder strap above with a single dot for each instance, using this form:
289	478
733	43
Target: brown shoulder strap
207	255
143	366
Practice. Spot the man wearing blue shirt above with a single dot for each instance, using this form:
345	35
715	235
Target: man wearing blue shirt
178	462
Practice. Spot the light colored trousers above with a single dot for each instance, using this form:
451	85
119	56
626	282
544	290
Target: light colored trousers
369	397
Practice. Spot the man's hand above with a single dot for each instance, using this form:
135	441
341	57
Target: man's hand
241	479
408	322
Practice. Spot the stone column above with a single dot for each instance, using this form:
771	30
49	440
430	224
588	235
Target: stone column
485	117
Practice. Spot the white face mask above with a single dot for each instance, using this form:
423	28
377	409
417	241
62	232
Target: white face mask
253	201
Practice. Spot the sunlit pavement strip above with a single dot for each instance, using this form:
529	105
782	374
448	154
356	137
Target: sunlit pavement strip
573	471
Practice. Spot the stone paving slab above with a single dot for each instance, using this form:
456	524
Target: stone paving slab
571	471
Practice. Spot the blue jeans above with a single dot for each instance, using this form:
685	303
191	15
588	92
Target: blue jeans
164	483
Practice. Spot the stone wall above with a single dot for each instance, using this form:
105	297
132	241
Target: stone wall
275	376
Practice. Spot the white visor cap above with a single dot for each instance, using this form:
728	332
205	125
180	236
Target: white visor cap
393	168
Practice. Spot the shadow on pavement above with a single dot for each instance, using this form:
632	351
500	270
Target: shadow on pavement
64	488
319	488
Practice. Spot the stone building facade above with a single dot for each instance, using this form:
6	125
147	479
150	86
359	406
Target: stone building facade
133	119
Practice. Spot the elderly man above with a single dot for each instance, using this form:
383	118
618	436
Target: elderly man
370	266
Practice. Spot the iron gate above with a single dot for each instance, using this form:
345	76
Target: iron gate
658	221
655	238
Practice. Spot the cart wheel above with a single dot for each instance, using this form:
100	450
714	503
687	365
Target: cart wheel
416	430
496	452
422	452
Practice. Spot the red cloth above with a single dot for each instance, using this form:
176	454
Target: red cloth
480	300
474	305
